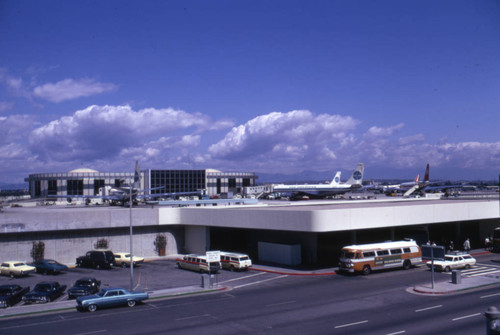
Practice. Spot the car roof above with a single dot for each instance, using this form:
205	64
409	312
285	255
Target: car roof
237	254
47	282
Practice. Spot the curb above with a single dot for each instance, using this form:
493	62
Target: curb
295	273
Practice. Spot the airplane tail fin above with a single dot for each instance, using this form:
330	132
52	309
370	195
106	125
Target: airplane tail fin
336	179
137	175
417	178
426	177
357	175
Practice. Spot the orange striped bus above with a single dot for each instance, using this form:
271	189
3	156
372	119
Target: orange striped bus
365	258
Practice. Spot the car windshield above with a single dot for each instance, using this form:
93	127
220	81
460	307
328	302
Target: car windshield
42	287
83	283
19	264
5	291
101	293
448	258
51	262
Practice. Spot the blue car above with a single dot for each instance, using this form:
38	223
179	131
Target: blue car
110	297
49	266
44	292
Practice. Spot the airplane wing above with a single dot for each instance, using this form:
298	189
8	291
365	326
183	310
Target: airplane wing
171	194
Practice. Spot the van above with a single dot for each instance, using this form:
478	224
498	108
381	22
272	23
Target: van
234	261
99	259
198	263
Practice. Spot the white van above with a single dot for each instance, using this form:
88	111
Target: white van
235	261
198	263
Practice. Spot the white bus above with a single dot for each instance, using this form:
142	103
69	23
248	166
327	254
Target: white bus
365	258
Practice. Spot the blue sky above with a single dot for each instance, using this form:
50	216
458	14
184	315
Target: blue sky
258	86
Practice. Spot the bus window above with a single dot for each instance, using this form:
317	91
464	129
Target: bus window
395	251
406	250
382	252
367	254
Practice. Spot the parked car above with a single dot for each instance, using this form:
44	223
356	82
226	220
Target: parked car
235	261
99	259
43	292
123	259
49	266
11	294
454	261
16	269
110	297
84	286
198	263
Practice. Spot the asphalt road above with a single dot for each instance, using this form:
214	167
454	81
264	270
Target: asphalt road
266	303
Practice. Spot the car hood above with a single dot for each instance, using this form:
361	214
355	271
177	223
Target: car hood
87	297
37	294
77	287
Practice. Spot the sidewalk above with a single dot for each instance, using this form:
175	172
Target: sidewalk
447	287
468	283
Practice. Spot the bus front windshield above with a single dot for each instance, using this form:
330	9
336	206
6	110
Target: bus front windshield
348	254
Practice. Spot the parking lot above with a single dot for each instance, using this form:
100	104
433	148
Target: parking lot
151	275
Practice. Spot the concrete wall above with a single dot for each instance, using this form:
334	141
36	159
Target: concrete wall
66	248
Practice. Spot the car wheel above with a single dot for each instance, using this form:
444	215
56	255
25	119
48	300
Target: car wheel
447	269
131	303
467	266
11	275
124	265
367	270
92	308
406	265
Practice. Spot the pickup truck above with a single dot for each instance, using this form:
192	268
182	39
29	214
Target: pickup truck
11	294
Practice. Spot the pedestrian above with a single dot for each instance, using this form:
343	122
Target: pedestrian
486	243
467	245
451	246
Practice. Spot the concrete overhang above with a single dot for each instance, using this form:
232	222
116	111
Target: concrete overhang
330	217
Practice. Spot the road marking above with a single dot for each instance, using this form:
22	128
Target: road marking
399	332
426	309
239	278
489	295
281	303
352	324
483	273
193	317
466	316
261	281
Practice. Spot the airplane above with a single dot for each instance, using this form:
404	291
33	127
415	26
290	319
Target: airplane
419	187
122	194
322	190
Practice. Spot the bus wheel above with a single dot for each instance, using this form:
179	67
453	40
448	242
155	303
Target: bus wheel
406	265
367	270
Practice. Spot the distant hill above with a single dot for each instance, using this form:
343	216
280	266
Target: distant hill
14	186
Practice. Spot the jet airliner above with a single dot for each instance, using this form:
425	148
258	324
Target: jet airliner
322	190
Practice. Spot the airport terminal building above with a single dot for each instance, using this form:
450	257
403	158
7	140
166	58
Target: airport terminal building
87	182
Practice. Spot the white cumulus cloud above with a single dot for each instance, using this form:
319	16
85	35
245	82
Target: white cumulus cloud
69	89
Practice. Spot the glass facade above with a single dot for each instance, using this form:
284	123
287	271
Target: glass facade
213	182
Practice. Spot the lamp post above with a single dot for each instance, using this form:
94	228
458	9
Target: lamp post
131	234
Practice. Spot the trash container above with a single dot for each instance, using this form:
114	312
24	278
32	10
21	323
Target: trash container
456	277
205	281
